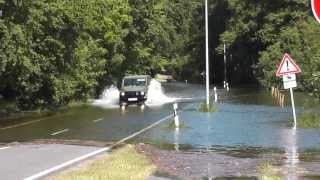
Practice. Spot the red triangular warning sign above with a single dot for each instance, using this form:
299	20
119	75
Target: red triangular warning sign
287	66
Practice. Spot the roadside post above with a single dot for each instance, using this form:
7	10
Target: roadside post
175	115
288	70
215	94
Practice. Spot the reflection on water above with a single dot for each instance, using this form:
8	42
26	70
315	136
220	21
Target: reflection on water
292	155
176	139
249	124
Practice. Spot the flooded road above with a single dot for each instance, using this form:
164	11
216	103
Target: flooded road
102	121
249	125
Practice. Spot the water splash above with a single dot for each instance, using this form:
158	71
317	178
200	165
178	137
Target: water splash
109	98
156	95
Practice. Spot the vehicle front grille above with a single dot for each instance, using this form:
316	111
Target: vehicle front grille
132	93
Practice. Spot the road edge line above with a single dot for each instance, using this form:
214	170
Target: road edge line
141	131
24	124
98	120
59	132
76	160
66	164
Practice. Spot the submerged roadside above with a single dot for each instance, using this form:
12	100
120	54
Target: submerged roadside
123	163
10	114
142	161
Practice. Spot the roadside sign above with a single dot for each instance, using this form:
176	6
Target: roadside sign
288	70
287	66
289	81
316	9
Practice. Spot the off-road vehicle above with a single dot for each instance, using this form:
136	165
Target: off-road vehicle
134	89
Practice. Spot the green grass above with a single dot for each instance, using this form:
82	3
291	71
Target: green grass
172	125
211	108
309	120
124	163
266	168
267	172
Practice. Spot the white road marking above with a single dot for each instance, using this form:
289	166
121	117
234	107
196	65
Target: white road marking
97	120
68	163
142	130
94	153
23	124
73	161
59	132
2	148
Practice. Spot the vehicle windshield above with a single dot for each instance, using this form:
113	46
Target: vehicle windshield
134	82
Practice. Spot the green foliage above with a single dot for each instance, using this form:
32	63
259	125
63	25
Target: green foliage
309	120
54	52
258	33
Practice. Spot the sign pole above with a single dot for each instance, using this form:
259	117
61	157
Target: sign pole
293	109
225	62
207	56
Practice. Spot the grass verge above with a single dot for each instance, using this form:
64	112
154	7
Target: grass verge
309	120
172	125
211	108
124	163
267	172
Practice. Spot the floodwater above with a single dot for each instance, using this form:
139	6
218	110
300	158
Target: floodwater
101	121
248	124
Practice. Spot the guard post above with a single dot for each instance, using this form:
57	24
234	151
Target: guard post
175	115
215	94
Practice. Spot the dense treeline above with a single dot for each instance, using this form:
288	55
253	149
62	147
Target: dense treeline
258	33
53	52
56	51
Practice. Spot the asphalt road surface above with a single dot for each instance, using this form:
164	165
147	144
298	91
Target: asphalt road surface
22	161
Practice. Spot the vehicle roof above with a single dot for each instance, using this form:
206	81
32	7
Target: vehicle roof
137	76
